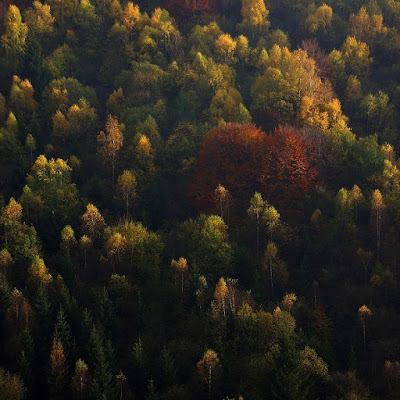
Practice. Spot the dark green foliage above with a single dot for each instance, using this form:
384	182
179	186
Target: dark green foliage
288	378
102	383
62	333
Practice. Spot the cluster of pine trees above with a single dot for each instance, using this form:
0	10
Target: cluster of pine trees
199	199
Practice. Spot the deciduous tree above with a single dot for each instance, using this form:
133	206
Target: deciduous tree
287	171
81	379
126	186
11	386
221	294
364	313
377	213
110	142
257	205
16	31
231	157
206	367
181	268
93	222
58	370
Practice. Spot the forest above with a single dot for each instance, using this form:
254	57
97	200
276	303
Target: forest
199	199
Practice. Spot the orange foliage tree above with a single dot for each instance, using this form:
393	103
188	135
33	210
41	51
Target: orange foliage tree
183	9
244	160
287	171
230	156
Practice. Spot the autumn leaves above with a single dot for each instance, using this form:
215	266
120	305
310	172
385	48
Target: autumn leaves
243	159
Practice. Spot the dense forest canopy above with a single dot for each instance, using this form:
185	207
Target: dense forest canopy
199	199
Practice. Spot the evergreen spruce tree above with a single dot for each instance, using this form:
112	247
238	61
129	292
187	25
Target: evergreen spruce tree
102	383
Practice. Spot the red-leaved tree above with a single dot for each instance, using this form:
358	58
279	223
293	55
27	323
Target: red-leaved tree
243	159
184	9
287	171
231	157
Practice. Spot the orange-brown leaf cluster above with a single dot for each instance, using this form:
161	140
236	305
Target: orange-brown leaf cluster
244	160
183	9
230	156
286	171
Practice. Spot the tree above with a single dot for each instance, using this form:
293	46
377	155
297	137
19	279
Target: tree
145	154
81	379
321	20
102	383
221	293
377	213
12	213
151	391
93	222
11	386
270	257
231	157
355	198
5	260
231	294
353	91
255	16
63	9
116	101
30	145
109	143
255	210
223	199
206	367
226	46
363	313
62	333
184	9
126	185
19	310
38	272
365	257
201	291
116	245
366	27
39	20
85	244
206	241
16	31
22	99
287	170
67	238
121	383
288	301
181	267
168	367
140	365
270	218
58	370
50	179
356	56
131	15
288	378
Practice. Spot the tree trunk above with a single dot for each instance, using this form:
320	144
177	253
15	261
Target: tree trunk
272	280
127	208
209	383
258	234
182	283
365	343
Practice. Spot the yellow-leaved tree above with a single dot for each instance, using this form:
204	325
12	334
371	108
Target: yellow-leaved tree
255	17
206	367
93	222
110	142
